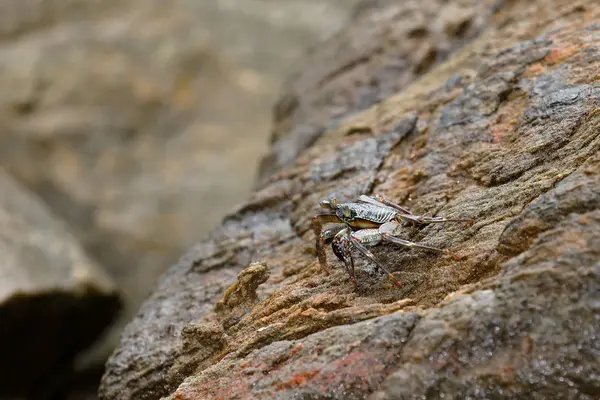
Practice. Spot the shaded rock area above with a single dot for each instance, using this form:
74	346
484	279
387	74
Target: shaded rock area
50	292
506	131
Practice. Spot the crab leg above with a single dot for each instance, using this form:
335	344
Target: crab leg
323	238
387	230
319	220
350	268
342	248
420	219
405	213
367	253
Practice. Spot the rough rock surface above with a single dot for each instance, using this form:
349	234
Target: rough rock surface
388	45
506	131
50	292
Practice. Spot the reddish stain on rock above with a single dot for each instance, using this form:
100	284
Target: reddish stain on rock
300	379
497	135
557	56
534	70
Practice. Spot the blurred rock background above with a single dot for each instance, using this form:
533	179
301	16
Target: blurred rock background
131	127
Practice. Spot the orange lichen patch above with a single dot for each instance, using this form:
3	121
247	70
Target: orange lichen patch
358	360
364	367
557	56
584	220
504	126
534	70
300	379
295	349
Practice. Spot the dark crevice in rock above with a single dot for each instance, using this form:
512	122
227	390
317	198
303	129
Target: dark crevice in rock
68	322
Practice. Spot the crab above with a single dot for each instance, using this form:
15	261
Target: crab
366	223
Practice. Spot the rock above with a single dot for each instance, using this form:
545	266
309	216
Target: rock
54	300
341	362
241	297
132	111
387	47
506	131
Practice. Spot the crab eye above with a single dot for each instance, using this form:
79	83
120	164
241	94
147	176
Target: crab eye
347	212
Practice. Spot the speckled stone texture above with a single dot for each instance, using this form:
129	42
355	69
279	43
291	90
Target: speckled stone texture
505	131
